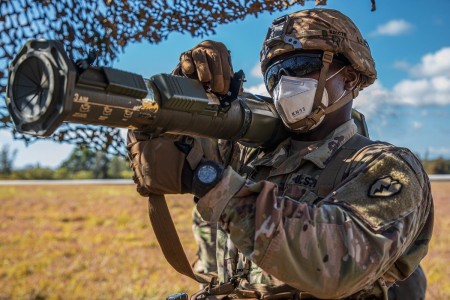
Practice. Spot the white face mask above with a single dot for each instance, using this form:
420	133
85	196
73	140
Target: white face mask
294	99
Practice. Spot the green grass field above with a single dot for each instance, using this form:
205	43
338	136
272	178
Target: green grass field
95	242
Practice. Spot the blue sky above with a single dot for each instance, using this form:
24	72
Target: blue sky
409	104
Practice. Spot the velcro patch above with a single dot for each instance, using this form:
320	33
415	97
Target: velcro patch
385	186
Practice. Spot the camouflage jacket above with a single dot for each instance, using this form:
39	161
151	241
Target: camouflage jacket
273	228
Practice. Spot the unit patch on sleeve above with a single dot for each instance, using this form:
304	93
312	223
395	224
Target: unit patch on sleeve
385	186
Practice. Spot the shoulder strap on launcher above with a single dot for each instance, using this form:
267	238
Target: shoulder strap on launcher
173	251
168	239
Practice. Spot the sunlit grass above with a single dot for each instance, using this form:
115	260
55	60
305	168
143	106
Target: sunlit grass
89	242
436	264
95	242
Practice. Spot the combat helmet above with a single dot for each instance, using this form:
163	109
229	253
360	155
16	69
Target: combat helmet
319	29
325	30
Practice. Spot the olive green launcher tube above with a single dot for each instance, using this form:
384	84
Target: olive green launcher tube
45	88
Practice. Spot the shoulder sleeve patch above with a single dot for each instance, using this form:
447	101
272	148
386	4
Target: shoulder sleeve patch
385	186
382	189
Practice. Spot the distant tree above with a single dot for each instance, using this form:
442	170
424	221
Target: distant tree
119	168
440	166
33	172
108	26
7	160
83	159
101	165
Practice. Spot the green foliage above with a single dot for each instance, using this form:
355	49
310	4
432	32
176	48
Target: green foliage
82	163
80	159
37	173
61	173
119	168
437	166
6	160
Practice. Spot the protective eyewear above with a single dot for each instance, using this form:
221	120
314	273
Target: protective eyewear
296	66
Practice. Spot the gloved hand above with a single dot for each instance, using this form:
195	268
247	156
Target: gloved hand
162	165
210	63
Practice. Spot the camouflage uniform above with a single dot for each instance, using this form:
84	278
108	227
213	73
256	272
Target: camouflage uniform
314	217
276	229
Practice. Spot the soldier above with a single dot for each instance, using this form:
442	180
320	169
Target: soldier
327	213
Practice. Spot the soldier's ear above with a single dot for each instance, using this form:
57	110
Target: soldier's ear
352	78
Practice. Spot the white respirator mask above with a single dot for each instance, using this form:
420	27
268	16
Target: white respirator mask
294	99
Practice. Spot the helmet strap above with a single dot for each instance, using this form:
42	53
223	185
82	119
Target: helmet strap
343	101
327	59
318	107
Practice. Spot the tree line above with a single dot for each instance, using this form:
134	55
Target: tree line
85	163
82	163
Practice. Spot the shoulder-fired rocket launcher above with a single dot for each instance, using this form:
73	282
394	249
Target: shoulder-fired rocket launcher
45	88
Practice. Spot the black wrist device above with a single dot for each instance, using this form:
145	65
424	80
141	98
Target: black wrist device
206	176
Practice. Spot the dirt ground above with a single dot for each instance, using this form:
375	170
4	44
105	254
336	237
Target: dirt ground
95	242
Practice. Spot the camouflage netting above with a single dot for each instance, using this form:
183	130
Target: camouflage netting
108	26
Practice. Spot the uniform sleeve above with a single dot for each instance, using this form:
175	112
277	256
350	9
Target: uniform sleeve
205	233
343	243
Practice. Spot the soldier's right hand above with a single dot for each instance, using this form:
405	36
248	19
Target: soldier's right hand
210	63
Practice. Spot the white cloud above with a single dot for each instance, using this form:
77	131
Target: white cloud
441	83
371	98
408	91
403	65
256	71
433	64
417	125
425	91
429	85
394	28
259	89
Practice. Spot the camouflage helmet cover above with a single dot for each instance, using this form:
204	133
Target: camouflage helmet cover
319	29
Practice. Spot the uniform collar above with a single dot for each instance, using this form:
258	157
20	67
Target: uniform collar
331	144
318	153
